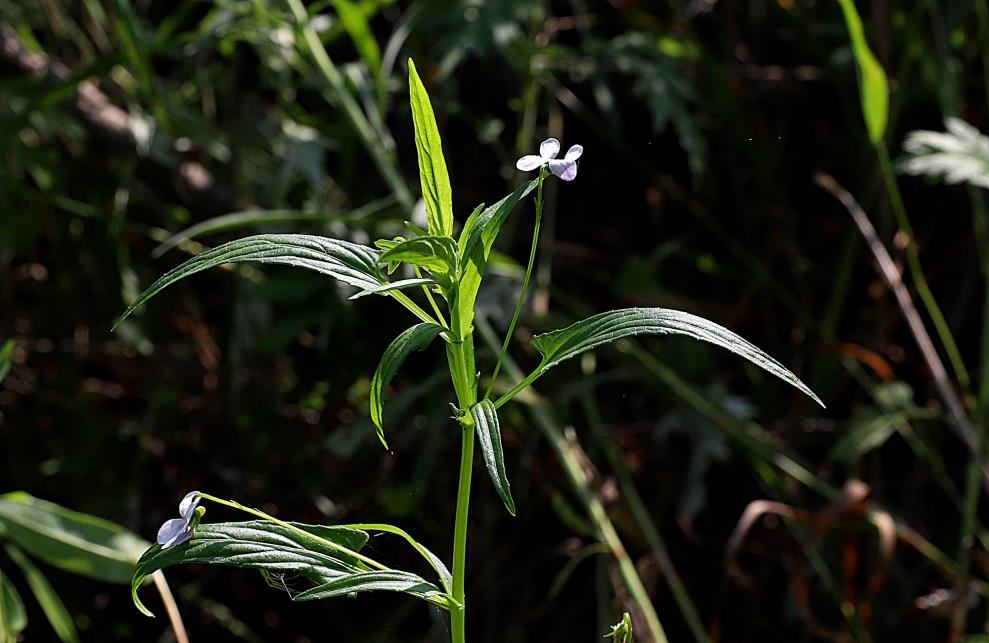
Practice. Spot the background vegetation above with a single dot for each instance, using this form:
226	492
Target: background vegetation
703	123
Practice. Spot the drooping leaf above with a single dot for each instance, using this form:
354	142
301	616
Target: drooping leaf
325	553
53	607
873	86
376	581
959	155
73	541
476	239
13	620
446	578
432	166
351	263
402	284
436	254
413	339
559	345
489	436
256	218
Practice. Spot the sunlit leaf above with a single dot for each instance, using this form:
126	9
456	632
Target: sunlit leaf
560	345
402	284
13	620
436	254
432	166
476	239
376	581
446	578
351	263
324	554
416	338
489	436
959	155
873	86
53	607
73	541
354	20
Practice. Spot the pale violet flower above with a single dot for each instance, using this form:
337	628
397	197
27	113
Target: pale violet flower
178	530
565	168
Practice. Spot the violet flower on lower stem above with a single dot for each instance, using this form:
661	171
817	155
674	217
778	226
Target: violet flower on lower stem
565	168
178	530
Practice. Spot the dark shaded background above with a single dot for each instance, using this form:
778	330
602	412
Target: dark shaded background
702	123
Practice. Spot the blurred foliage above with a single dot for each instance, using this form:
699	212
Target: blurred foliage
123	124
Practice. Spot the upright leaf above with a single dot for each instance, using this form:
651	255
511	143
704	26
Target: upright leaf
260	544
603	328
6	357
476	239
73	541
489	436
873	86
53	607
413	339
432	166
13	617
351	263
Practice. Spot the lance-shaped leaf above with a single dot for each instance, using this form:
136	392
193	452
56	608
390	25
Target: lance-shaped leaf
73	541
402	284
413	339
873	86
351	263
432	166
377	581
489	436
476	239
436	254
603	328
320	554
13	618
446	578
51	604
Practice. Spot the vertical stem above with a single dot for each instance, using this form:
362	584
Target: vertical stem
458	613
525	281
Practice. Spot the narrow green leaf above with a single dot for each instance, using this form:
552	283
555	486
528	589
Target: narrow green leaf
13	618
489	435
436	254
376	581
432	166
69	540
51	604
351	263
476	239
394	285
6	358
873	86
259	544
446	578
255	218
413	339
603	328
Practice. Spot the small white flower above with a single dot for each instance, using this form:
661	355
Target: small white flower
178	530
565	168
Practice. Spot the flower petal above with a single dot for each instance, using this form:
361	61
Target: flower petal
529	162
188	505
574	152
564	168
174	532
549	148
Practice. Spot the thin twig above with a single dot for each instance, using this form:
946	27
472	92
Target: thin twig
959	419
178	627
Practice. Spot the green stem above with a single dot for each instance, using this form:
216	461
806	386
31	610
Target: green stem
917	273
414	308
525	281
458	613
